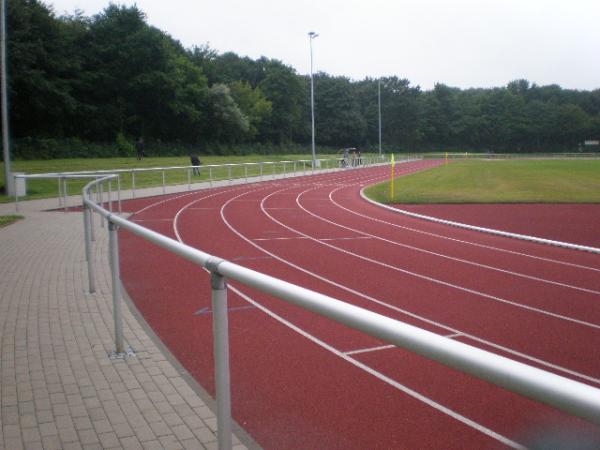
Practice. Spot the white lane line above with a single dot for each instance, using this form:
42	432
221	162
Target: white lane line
369	350
279	238
441	255
475	244
150	220
414	394
406	312
351	238
435	280
454	335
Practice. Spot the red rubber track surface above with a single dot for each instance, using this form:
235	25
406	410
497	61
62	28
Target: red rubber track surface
331	387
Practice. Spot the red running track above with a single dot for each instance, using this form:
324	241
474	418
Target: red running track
300	381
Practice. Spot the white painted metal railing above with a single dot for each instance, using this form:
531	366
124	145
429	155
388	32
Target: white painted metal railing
562	393
256	170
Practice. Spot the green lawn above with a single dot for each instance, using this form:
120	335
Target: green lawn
498	181
49	188
7	220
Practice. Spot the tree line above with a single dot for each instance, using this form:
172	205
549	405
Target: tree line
113	77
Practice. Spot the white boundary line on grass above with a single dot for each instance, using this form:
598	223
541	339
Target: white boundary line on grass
524	237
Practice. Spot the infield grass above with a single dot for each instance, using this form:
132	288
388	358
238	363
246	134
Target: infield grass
497	181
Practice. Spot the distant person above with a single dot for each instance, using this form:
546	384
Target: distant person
354	158
139	148
345	158
195	164
358	158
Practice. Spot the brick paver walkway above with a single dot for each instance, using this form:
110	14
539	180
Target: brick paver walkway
58	387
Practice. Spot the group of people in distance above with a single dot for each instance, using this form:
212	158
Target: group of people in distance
351	157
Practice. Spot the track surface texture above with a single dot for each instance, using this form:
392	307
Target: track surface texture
304	382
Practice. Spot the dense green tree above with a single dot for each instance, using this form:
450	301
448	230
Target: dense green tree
94	78
253	104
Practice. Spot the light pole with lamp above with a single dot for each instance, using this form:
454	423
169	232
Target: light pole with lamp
311	36
9	185
379	108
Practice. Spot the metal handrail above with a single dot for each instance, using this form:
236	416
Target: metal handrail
304	164
570	396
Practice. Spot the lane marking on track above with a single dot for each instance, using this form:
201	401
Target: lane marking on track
412	393
203	209
279	238
455	335
150	220
441	255
368	350
208	311
344	238
482	341
461	241
435	280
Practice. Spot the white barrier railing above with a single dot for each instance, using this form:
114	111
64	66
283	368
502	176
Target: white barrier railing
212	174
562	393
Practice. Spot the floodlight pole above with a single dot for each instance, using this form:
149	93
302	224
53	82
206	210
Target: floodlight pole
9	184
311	36
379	108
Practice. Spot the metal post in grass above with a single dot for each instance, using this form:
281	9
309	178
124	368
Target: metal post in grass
119	193
229	174
221	354
210	176
189	174
246	172
60	195
87	232
164	182
65	193
113	242
133	183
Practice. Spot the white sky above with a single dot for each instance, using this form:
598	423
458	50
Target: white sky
463	43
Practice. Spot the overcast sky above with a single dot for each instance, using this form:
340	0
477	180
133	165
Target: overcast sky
463	43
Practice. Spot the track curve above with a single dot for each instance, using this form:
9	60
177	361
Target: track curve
300	381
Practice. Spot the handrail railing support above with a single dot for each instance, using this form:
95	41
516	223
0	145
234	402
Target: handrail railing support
221	351
87	231
116	286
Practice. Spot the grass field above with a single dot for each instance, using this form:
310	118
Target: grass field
49	188
7	220
498	181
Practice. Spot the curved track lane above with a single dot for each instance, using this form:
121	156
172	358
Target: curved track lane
300	381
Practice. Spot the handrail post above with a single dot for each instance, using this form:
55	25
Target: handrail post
229	174
119	193
116	286
133	183
221	351
164	182
16	193
189	174
87	232
261	171
110	205
60	195
65	194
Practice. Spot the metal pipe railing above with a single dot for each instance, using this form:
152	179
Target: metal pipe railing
562	393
